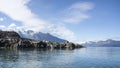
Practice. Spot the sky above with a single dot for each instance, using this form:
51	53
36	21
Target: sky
74	20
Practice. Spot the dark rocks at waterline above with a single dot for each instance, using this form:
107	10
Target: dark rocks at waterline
10	39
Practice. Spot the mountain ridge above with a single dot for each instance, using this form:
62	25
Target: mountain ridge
106	43
39	36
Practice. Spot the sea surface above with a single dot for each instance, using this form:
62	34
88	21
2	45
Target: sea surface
91	57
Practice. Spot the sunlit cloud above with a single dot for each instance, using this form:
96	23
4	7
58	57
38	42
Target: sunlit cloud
1	19
77	12
18	10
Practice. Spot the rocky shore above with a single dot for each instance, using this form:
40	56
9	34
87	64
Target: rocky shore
11	39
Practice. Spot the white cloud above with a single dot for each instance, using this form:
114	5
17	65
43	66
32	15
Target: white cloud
19	11
82	6
1	19
2	27
12	25
62	32
77	12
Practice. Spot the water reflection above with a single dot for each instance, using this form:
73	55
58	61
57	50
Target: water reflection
32	58
49	58
9	55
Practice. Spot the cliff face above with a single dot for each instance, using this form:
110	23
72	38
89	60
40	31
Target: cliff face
9	34
10	39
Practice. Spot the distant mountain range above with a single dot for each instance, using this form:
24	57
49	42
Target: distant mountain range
106	43
39	36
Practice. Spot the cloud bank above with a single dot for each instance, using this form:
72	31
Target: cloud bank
19	11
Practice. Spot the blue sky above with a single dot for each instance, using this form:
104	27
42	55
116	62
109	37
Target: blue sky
74	20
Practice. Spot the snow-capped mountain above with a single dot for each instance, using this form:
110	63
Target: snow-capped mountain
106	43
39	36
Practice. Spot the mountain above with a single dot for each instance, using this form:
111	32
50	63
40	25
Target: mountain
11	39
106	43
39	36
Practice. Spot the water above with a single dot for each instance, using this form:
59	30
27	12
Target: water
92	57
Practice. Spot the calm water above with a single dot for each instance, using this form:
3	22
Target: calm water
92	57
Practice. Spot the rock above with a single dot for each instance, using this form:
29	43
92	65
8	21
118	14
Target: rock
10	39
9	34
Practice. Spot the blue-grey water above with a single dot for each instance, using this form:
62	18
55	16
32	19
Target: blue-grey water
91	57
